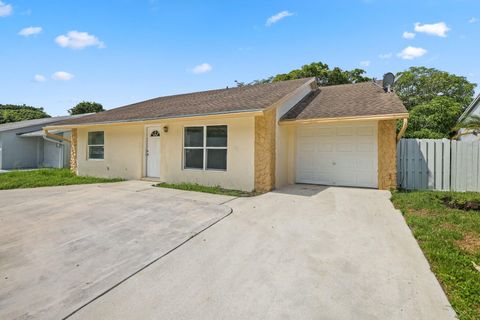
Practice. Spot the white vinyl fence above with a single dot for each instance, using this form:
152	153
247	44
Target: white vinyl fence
438	164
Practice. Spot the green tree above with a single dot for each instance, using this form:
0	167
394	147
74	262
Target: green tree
14	113
86	107
321	71
419	85
433	119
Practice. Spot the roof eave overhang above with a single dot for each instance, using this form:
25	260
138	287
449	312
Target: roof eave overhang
393	116
217	115
291	94
469	109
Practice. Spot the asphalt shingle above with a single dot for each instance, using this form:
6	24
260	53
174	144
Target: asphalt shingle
347	100
238	99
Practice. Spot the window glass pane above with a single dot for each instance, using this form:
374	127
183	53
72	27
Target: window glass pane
194	137
217	159
95	152
217	136
95	137
194	158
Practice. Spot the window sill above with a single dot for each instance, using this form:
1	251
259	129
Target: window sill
204	170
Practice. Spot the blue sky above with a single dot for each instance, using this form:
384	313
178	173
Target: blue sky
54	54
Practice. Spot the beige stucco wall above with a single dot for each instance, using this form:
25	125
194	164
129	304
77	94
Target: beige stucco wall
123	152
240	155
285	170
387	155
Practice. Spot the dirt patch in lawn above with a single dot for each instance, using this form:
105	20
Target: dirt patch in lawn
461	203
470	243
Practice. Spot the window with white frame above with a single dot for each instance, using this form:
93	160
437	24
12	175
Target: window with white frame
96	145
205	148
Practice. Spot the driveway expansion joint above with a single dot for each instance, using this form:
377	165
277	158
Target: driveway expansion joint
147	265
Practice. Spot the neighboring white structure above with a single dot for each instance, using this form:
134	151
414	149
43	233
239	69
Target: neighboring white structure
472	110
23	146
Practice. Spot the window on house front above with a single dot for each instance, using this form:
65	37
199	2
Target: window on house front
205	148
96	145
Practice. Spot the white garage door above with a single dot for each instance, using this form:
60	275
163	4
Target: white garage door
342	155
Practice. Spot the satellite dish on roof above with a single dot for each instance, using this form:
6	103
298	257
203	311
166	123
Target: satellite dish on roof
388	81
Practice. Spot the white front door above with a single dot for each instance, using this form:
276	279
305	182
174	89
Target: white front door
153	152
339	155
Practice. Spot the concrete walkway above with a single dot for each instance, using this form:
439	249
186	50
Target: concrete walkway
303	252
61	247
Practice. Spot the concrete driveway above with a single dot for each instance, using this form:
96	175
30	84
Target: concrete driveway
61	247
303	252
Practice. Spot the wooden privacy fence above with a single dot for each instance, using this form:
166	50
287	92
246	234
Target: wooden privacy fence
441	164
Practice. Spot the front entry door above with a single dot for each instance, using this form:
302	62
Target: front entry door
153	152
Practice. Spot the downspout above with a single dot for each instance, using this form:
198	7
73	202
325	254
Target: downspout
403	129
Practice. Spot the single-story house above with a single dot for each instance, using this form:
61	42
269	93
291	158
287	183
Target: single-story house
255	137
23	145
472	110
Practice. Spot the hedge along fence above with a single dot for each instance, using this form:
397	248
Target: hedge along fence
438	164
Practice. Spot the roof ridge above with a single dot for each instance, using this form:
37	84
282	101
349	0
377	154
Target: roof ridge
208	91
346	84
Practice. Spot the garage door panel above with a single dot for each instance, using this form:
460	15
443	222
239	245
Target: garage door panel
343	178
365	179
365	147
325	132
322	162
365	131
322	178
306	163
345	131
344	164
364	164
325	147
345	147
337	155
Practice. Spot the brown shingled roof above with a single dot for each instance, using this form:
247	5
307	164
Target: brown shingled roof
346	100
238	99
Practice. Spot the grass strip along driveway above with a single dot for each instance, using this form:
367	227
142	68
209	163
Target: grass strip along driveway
206	189
45	178
447	227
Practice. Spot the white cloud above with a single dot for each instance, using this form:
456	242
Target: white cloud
62	75
202	68
408	35
410	53
385	55
277	17
30	31
78	40
439	29
473	20
365	63
5	9
39	78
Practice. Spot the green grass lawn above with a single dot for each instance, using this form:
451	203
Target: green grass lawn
450	239
206	189
45	178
